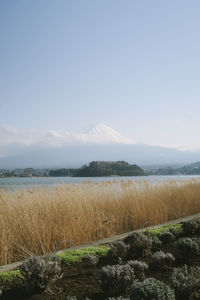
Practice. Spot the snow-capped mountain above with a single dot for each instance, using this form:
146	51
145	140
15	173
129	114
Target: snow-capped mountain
63	149
11	139
100	133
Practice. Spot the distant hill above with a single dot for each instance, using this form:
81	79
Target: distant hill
191	169
105	168
75	156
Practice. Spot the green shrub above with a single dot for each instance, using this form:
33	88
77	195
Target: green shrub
156	244
116	280
90	260
162	260
167	237
191	227
151	289
139	268
185	280
140	244
119	249
41	272
187	248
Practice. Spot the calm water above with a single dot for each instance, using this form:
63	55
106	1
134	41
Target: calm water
29	182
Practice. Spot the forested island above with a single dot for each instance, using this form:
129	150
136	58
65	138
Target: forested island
101	168
106	168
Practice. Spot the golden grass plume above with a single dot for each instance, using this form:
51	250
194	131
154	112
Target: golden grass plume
34	221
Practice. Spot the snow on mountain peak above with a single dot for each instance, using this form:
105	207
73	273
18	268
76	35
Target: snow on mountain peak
101	133
98	134
99	128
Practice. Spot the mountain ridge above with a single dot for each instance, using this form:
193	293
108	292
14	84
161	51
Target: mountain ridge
100	142
75	156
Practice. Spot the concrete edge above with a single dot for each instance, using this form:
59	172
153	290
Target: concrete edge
15	266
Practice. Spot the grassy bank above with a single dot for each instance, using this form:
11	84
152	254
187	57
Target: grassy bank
33	222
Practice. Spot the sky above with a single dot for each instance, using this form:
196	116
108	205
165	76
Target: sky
132	65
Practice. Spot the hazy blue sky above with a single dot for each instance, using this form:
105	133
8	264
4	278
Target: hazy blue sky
133	65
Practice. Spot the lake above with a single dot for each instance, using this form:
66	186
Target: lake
30	182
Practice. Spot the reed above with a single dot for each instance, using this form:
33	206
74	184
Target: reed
34	221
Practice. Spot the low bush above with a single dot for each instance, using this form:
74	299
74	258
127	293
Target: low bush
162	260
151	289
140	244
119	249
156	244
167	237
116	280
41	272
187	248
139	268
90	260
176	230
185	281
191	227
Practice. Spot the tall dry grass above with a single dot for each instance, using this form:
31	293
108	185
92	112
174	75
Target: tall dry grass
34	221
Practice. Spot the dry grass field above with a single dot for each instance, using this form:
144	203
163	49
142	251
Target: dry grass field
34	221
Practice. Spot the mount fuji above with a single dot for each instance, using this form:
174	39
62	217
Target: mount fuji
65	149
13	139
101	133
